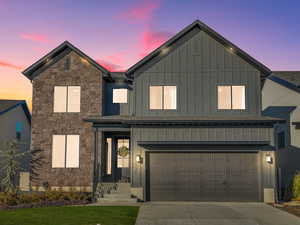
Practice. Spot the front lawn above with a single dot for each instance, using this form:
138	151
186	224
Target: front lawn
71	215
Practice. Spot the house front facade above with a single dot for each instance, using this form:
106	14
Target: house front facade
15	124
183	124
281	99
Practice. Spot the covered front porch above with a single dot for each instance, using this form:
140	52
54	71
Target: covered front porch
112	165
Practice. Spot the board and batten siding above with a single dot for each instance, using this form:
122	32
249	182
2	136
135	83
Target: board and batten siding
196	67
193	134
203	134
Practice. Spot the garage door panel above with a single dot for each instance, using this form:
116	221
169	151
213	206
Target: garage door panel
203	177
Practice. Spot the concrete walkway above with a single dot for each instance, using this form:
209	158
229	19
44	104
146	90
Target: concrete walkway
168	213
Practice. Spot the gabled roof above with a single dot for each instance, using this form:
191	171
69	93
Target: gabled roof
290	76
282	112
264	70
29	72
8	105
288	79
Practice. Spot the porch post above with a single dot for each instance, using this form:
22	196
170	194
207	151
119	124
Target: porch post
97	156
100	147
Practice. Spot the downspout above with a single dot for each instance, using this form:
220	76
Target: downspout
277	174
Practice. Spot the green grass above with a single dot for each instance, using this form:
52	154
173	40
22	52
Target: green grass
73	215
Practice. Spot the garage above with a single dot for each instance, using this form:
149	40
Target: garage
195	176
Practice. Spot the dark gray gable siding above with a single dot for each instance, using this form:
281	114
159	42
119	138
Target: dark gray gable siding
196	67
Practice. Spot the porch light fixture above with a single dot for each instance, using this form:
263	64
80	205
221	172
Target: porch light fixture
165	50
269	159
139	159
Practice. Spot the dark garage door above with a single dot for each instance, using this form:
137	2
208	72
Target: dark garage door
203	177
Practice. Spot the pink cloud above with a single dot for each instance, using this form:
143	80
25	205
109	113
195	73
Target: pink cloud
10	65
113	62
35	37
109	66
150	40
141	12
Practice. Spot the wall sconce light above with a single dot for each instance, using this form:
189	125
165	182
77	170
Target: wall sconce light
139	159
269	159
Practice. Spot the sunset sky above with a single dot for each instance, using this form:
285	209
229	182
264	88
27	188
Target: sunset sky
117	33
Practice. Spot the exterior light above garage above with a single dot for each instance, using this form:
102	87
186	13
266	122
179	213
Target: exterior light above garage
139	159
269	159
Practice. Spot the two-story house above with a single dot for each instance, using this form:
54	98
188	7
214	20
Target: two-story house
15	123
184	123
281	99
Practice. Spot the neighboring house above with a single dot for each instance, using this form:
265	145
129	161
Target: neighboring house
281	99
188	114
15	122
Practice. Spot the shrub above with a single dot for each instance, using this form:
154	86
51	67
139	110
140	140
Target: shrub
10	198
296	186
43	198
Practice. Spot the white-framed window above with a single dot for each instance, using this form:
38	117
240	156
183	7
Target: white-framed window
65	151
108	155
163	97
231	97
120	95
66	99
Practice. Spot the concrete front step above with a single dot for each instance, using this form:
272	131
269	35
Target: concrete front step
132	200
117	196
121	194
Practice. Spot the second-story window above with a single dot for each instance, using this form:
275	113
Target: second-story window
67	99
231	97
163	97
120	95
19	127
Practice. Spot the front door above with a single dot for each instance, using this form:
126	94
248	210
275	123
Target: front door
116	159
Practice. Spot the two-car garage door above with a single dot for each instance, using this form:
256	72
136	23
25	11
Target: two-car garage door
193	176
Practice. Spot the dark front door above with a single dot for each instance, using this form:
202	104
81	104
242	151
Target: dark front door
203	177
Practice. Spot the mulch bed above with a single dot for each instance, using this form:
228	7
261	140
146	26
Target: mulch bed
44	204
292	209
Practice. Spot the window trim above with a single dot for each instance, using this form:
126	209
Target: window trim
231	85
163	99
65	153
67	97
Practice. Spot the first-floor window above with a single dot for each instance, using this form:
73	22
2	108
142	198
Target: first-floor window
65	151
231	97
109	153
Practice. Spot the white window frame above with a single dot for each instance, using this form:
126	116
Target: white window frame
115	100
163	106
65	148
231	97
66	101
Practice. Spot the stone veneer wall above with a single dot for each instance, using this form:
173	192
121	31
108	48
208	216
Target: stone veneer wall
45	122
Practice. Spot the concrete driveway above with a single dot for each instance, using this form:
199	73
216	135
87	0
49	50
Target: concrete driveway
165	213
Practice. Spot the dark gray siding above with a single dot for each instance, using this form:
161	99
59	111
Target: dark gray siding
194	134
196	67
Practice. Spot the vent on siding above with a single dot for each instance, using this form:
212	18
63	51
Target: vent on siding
67	63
